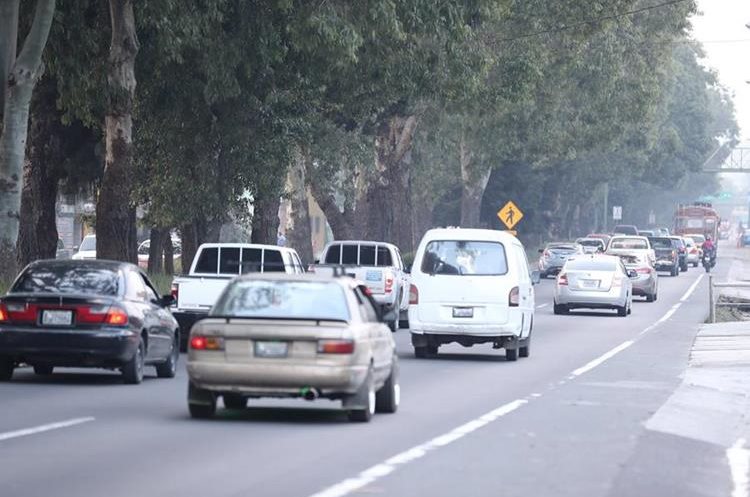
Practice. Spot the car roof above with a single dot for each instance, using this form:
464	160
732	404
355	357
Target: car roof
470	234
87	263
278	276
622	235
594	257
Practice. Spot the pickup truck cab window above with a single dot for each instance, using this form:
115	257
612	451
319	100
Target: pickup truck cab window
208	262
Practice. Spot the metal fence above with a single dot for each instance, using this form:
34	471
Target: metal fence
712	296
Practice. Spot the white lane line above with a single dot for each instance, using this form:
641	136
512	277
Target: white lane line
388	466
739	465
668	314
601	359
692	288
542	306
41	429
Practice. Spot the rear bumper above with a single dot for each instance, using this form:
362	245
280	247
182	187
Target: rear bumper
465	329
273	380
591	300
73	348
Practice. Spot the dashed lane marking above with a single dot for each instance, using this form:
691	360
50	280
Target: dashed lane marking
388	466
41	429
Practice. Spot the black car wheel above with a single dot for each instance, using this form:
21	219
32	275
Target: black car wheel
168	369
7	365
43	369
560	309
132	371
201	403
511	355
525	349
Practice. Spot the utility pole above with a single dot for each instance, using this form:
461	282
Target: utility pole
606	206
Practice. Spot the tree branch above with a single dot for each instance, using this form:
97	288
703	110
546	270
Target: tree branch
8	41
30	57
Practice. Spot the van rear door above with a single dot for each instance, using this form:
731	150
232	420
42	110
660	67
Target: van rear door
461	281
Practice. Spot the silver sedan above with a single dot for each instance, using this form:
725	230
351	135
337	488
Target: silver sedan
594	282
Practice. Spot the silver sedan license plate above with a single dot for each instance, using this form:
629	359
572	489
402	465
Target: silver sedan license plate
271	349
57	318
463	312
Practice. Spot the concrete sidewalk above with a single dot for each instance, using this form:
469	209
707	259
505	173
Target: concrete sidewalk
710	410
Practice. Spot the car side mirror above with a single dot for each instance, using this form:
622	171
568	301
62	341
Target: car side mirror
536	277
75	248
167	300
632	273
541	251
316	261
407	269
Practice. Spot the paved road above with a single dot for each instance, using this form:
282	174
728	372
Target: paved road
569	420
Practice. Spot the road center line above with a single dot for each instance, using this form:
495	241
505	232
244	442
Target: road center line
41	429
739	465
692	288
542	306
388	466
601	359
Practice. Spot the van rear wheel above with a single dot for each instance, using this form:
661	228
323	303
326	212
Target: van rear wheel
511	355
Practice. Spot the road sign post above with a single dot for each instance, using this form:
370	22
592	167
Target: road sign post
617	212
510	215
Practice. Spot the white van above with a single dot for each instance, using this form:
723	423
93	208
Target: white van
471	286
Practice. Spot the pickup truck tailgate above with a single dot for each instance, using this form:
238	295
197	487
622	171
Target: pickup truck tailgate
199	293
373	277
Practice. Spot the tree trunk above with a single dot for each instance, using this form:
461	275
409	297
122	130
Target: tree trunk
341	223
189	246
17	90
156	251
37	236
115	219
168	251
474	179
265	225
388	201
300	235
8	44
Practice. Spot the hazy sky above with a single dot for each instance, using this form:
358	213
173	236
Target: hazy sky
726	40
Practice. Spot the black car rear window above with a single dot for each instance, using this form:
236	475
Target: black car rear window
661	243
67	279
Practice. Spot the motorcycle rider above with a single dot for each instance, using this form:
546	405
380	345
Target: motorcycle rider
709	249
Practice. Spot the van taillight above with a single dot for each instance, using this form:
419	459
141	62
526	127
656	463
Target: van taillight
413	294
514	297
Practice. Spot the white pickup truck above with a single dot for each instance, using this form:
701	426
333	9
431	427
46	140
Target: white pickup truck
377	264
214	266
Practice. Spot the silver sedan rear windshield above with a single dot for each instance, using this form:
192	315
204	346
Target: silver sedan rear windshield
465	258
590	265
283	300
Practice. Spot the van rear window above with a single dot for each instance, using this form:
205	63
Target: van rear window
464	258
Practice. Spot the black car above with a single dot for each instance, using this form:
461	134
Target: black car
667	254
93	313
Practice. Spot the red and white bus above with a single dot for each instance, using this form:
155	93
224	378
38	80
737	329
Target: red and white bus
698	218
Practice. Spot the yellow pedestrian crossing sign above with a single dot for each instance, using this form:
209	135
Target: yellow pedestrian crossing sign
510	214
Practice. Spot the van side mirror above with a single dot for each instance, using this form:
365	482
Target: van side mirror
536	277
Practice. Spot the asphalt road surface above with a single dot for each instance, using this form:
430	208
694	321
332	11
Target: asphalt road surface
568	421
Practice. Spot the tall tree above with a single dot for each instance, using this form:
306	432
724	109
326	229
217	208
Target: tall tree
18	76
115	210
